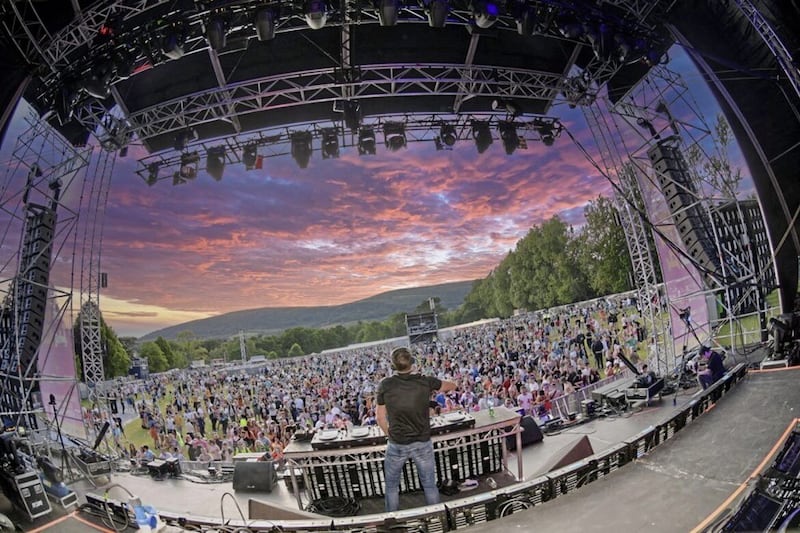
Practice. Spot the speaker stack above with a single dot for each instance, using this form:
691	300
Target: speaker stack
691	221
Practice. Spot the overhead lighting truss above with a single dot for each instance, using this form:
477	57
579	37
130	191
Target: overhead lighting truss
331	137
281	91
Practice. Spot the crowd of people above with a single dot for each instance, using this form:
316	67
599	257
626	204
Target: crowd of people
211	414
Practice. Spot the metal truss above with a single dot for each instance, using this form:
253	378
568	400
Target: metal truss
321	86
782	55
96	188
638	234
276	141
661	111
52	165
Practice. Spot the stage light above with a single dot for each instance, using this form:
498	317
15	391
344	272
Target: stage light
482	135
152	173
485	13
528	21
366	141
184	137
124	62
64	102
265	24
301	147
215	162
447	133
437	11
216	33
352	114
394	136
624	47
316	13
250	156
510	106
189	165
330	143
571	29
387	12
172	44
548	131
98	79
508	134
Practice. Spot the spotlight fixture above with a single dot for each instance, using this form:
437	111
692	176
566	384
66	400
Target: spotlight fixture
152	173
366	141
216	33
301	147
188	169
98	79
482	135
508	134
528	21
448	135
437	11
548	130
485	13
215	162
172	44
387	11
64	102
265	24
184	137
624	48
316	13
330	143
124	62
571	29
352	114
394	135
510	106
250	156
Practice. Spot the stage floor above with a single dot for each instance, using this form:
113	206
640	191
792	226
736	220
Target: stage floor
686	479
674	488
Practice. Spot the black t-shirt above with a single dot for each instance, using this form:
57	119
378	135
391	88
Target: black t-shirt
406	398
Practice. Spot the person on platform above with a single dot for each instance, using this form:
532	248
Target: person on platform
403	415
714	368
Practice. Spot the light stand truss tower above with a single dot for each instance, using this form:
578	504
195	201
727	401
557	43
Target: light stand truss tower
616	165
677	154
36	359
96	187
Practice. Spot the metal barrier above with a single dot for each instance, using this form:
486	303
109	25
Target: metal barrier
564	405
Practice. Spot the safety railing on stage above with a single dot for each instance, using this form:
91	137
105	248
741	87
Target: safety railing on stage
570	403
466	512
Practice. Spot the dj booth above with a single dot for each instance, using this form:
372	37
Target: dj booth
349	464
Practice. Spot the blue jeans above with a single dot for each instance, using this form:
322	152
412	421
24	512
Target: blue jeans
396	457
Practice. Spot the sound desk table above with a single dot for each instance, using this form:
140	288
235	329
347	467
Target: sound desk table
348	466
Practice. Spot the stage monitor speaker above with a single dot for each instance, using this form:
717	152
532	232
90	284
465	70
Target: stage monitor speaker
254	476
571	453
531	434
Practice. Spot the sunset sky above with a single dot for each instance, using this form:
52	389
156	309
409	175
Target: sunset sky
337	231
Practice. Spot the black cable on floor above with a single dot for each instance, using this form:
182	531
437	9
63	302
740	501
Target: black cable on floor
335	506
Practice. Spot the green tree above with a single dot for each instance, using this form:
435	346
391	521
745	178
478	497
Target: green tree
601	249
116	361
156	360
295	350
543	272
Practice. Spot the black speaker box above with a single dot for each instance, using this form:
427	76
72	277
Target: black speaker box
254	475
531	434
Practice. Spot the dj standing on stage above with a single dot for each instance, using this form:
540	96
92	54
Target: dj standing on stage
403	415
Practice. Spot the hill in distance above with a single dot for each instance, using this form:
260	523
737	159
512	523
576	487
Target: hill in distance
274	320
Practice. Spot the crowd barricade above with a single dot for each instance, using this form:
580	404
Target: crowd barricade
562	406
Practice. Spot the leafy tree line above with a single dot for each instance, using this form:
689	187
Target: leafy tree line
552	265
